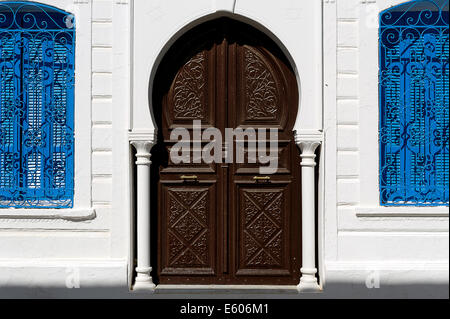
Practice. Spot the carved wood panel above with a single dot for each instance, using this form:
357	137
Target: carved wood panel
189	91
264	230
192	92
188	229
261	91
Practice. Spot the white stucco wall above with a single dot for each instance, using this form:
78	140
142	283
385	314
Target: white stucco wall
362	237
44	247
366	231
119	46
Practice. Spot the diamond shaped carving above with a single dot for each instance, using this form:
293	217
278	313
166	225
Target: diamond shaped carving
262	229
263	236
188	228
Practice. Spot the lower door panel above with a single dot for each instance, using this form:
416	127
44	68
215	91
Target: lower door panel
188	232
265	246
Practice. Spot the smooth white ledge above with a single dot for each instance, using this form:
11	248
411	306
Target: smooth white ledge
402	266
398	212
226	289
75	215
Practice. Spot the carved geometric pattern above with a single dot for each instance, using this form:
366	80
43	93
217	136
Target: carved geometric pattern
263	259
263	234
261	91
189	89
188	228
263	228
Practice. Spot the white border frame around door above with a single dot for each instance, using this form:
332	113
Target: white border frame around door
156	26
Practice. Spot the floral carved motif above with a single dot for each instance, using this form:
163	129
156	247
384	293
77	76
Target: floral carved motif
189	89
260	89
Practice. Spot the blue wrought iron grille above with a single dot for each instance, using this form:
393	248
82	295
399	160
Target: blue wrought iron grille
37	50
414	104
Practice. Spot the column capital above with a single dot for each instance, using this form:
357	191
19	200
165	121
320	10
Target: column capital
308	147
308	142
142	147
143	142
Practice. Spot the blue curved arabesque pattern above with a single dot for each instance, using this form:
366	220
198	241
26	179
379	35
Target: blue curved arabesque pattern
37	52
414	104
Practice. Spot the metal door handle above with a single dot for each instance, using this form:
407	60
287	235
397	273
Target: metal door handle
262	178
191	178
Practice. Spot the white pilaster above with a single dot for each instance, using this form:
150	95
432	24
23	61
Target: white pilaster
308	144
144	281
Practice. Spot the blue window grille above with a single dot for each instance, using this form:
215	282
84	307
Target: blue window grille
37	52
414	104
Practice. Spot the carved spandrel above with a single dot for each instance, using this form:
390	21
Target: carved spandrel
189	91
261	92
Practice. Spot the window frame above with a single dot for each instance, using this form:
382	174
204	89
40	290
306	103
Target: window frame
368	204
403	10
82	199
39	190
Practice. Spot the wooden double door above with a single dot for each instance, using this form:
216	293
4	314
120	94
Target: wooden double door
225	223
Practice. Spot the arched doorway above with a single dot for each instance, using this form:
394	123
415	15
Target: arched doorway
225	223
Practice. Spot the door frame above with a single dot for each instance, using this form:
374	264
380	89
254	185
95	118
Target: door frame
306	62
211	40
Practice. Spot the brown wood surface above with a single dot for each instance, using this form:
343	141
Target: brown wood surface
226	228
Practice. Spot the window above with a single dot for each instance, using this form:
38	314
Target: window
414	104
37	45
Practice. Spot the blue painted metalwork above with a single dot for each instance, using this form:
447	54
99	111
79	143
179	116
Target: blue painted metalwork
37	52
414	104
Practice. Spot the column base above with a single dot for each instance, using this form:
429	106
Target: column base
144	284
308	281
308	286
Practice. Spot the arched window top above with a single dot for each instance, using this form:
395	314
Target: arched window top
20	15
416	13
